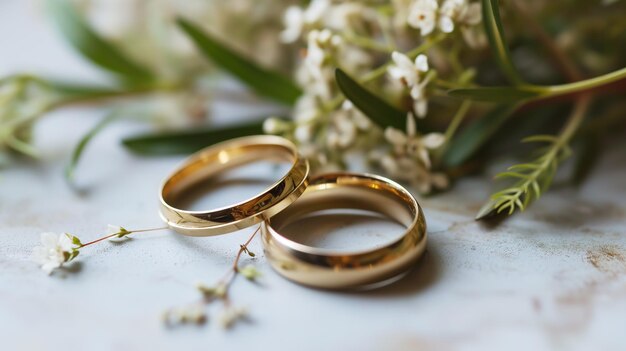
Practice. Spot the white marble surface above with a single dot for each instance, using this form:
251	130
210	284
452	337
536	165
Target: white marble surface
551	278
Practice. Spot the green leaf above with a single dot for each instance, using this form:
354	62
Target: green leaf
475	135
70	91
94	47
495	94
497	42
188	141
80	147
75	239
265	82
249	272
487	210
377	109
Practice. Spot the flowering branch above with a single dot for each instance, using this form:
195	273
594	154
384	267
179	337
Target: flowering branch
57	249
196	313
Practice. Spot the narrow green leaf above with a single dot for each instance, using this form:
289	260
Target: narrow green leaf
475	135
497	42
188	141
494	94
541	139
82	144
94	47
487	210
377	109
265	82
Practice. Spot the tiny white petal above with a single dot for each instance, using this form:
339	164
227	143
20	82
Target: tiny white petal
395	136
389	164
433	140
347	105
473	15
422	153
293	20
421	62
411	128
446	24
315	11
421	107
303	133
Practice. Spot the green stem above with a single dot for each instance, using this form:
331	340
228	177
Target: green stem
457	119
366	43
586	84
125	232
381	70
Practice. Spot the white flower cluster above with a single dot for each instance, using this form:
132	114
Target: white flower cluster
359	38
427	15
410	159
324	124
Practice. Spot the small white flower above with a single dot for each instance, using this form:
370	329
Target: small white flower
406	71
460	11
426	15
295	19
316	10
304	133
232	315
409	73
274	125
423	16
194	314
412	144
344	131
318	74
55	250
305	108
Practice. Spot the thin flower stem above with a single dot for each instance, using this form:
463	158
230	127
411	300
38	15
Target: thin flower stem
457	119
376	73
366	43
229	277
127	232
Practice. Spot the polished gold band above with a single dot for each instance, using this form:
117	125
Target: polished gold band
332	269
219	158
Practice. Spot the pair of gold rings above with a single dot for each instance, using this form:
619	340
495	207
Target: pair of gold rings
288	199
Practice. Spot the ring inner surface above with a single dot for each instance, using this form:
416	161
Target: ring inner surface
346	197
205	170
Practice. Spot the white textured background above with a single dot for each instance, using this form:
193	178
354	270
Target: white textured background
551	278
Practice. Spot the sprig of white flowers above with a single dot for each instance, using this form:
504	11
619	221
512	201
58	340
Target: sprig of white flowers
195	313
57	249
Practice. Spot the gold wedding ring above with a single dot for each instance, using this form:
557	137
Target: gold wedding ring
332	269
219	158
